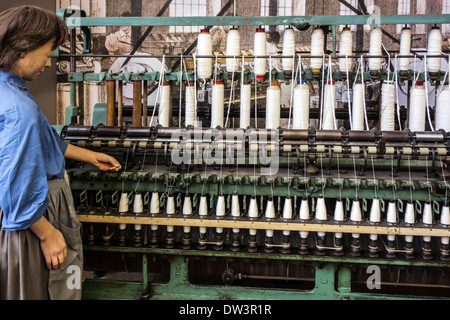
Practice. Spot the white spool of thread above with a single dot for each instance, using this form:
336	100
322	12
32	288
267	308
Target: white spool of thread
123	203
434	48
355	214
442	112
375	49
287	212
427	217
321	212
405	49
387	113
273	105
217	106
165	105
170	209
417	107
329	104
358	106
346	49
317	41
190	112
409	217
445	221
253	212
138	203
203	211
233	48
288	49
338	215
301	106
220	210
154	203
154	207
246	92
235	208
304	215
187	210
270	214
375	215
391	216
260	49
204	48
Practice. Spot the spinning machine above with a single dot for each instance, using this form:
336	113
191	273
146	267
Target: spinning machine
240	196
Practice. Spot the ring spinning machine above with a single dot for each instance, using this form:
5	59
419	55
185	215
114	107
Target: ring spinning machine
248	198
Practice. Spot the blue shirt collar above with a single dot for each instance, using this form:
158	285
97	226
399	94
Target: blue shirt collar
12	78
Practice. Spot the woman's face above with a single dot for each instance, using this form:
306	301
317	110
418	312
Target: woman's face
32	64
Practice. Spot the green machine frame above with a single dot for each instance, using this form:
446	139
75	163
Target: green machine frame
332	274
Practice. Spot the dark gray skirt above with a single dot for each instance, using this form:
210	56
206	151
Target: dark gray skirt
23	272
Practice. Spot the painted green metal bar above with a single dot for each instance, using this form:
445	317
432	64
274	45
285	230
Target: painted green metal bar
270	256
328	284
298	21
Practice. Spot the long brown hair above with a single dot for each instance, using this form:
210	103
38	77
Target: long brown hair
26	28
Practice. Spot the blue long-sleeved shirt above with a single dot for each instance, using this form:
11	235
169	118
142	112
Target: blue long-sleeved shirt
31	153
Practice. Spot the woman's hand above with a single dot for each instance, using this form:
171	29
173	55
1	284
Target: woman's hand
105	162
100	160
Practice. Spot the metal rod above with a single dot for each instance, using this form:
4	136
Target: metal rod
110	102
137	103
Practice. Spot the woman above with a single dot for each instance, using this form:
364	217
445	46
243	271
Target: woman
40	241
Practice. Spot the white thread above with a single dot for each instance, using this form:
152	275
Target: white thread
288	49
317	40
358	107
287	212
329	102
391	216
304	215
301	106
270	214
321	212
434	48
405	49
260	49
246	93
220	210
427	105
165	105
445	220
273	106
170	210
427	217
417	108
123	203
190	112
387	114
154	203
346	49
375	215
355	214
253	212
375	49
442	112
233	49
203	211
217	106
138	204
187	210
235	208
204	48
409	217
339	215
